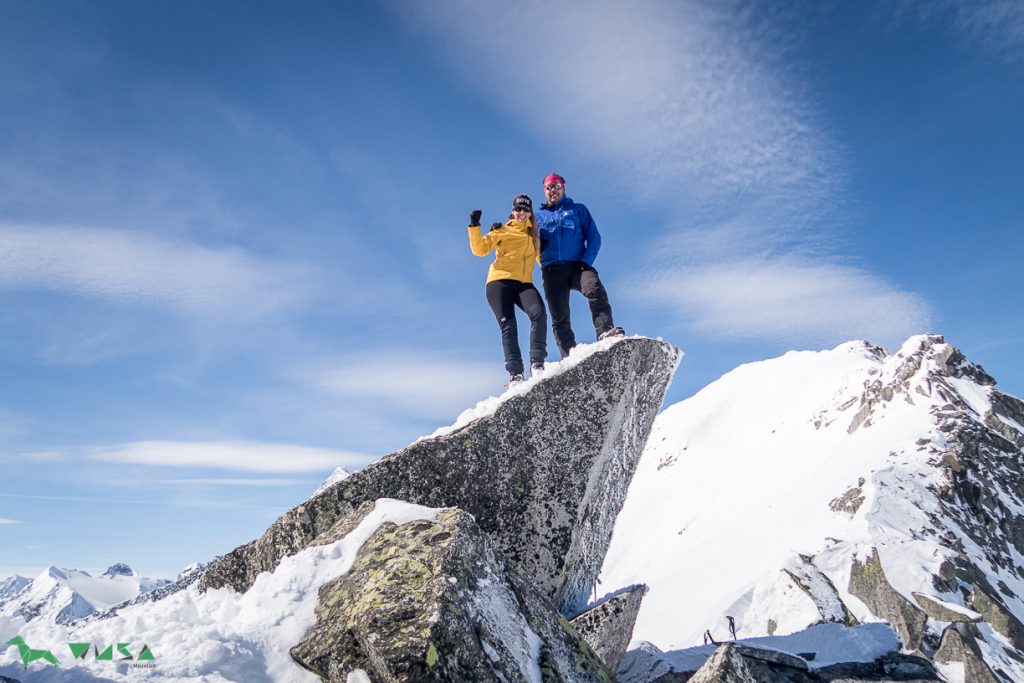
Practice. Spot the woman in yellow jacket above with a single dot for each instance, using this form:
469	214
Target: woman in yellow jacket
510	283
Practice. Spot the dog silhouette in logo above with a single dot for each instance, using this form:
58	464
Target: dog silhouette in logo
29	655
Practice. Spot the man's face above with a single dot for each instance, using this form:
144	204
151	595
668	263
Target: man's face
554	192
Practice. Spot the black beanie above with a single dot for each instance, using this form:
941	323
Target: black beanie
522	201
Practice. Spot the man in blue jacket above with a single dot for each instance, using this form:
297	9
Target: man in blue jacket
569	243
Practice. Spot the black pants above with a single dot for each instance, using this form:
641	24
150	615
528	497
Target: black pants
504	296
558	280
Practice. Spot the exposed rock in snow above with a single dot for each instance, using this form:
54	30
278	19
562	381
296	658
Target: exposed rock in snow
959	646
818	587
940	610
119	569
608	625
544	474
868	582
431	600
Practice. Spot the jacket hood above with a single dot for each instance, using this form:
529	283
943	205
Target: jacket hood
517	224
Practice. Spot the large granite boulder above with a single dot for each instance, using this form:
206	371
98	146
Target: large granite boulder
434	601
544	475
737	663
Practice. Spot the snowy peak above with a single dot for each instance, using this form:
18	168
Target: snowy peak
11	586
845	486
62	595
119	569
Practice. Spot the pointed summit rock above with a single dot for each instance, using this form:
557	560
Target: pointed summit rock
119	569
544	473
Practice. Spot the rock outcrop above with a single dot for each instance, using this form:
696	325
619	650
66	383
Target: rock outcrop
608	626
868	582
737	662
434	601
544	475
959	645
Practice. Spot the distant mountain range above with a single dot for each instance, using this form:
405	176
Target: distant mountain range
61	596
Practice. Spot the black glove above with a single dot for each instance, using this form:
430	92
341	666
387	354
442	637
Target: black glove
474	218
495	226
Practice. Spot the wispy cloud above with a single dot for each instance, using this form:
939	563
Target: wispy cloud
416	384
686	100
231	482
994	26
787	301
696	107
232	455
151	501
4	520
125	267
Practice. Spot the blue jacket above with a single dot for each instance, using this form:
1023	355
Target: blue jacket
567	233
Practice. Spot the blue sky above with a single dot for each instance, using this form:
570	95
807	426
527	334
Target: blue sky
232	235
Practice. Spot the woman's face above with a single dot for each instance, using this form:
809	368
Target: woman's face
520	214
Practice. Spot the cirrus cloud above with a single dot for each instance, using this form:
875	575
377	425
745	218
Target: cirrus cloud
231	455
696	107
127	267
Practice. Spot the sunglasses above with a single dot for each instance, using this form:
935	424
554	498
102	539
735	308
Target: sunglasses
518	209
553	186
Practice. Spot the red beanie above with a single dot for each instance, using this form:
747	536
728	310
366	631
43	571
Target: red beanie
553	178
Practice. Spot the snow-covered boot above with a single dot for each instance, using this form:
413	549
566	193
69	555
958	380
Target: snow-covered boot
612	332
515	378
536	369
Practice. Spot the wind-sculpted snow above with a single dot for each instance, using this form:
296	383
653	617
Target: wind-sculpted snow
891	476
543	472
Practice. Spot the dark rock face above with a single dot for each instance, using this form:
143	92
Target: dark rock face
986	601
433	601
544	475
608	626
891	667
959	644
119	569
936	610
868	582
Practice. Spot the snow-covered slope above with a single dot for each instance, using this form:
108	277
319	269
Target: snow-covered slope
59	596
754	497
218	635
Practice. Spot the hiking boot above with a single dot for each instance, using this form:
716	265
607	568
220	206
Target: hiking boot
612	332
515	378
536	369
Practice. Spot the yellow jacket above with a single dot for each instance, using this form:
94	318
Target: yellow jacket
516	246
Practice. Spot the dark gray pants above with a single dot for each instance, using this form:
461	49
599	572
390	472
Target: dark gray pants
504	296
561	278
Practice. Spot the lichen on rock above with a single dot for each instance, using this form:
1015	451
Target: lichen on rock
434	601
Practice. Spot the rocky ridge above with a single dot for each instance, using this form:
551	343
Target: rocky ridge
535	487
